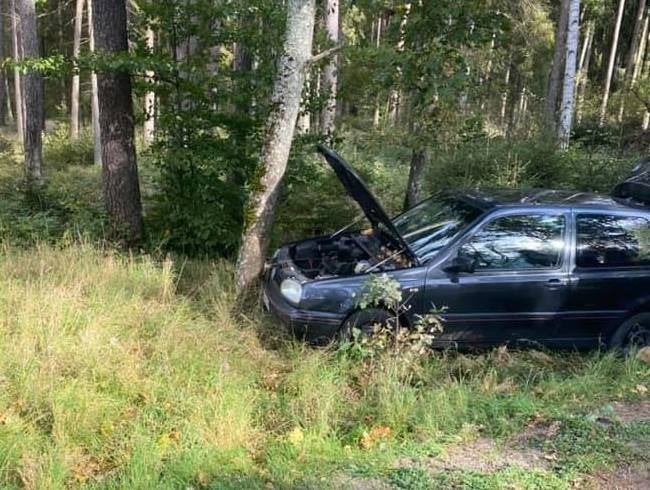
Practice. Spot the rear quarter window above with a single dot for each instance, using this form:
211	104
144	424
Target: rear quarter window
605	240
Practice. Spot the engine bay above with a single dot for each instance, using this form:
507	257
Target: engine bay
345	255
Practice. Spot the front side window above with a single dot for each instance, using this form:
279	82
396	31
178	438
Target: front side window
533	241
612	241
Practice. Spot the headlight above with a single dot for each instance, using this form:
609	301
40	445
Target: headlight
292	290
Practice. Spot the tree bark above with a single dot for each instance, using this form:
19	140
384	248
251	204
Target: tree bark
285	103
610	66
330	75
416	172
74	96
630	66
550	103
94	98
4	94
18	79
638	63
568	87
395	97
376	117
149	99
120	184
583	71
32	94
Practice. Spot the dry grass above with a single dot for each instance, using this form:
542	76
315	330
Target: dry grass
127	372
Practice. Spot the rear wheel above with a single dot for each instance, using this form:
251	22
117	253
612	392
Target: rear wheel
633	334
367	322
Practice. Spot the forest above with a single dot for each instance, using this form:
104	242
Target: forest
153	155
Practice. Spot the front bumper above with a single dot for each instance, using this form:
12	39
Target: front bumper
315	327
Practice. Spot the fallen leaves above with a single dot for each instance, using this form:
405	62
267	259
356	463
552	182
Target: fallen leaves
640	390
296	436
377	434
644	355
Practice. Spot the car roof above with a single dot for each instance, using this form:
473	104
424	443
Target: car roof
486	199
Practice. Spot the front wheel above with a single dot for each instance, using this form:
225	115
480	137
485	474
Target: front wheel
633	334
367	322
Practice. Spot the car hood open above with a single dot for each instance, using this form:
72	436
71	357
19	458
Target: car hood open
358	191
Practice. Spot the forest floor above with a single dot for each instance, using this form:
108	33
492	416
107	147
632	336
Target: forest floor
138	372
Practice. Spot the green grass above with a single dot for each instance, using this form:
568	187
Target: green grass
130	372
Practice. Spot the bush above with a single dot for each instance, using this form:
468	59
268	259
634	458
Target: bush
68	203
59	152
533	162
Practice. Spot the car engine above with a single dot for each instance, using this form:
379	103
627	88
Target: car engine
344	255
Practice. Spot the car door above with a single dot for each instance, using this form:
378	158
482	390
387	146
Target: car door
611	275
520	283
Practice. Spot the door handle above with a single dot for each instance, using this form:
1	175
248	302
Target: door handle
556	283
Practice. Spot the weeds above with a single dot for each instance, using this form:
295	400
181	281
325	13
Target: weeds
110	377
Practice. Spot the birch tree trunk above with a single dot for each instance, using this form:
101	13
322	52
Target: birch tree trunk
330	75
149	99
610	66
504	95
568	87
395	93
553	89
583	71
74	96
19	108
285	103
120	183
376	117
94	97
630	66
32	95
4	94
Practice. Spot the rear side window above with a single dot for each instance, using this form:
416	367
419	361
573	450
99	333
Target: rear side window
518	242
612	241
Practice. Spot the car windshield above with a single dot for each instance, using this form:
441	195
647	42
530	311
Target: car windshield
433	223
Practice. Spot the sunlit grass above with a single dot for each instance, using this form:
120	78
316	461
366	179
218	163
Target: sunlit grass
129	372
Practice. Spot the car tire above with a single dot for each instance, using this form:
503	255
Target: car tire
634	333
366	321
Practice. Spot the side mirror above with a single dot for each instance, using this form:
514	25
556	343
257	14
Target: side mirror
460	264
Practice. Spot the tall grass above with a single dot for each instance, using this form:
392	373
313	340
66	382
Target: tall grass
128	372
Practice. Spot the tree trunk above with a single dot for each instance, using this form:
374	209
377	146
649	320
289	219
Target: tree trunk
149	99
583	72
4	95
416	172
610	65
94	98
395	93
330	75
630	65
568	87
504	95
376	117
120	184
32	94
638	63
285	103
74	96
550	103
18	79
303	124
